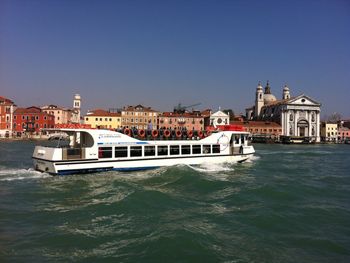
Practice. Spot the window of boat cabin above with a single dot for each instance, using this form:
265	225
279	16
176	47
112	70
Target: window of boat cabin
121	151
196	149
150	150
135	151
104	152
174	149
242	138
185	149
237	139
216	148
162	150
207	149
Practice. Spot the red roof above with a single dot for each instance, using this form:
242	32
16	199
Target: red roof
180	115
28	110
4	100
100	113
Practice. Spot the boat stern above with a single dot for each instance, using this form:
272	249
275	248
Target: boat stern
43	159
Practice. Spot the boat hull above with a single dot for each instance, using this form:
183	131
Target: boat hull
97	165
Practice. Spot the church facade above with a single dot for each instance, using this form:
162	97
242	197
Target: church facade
298	116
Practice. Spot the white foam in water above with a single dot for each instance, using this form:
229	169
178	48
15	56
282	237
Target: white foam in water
21	174
212	167
252	159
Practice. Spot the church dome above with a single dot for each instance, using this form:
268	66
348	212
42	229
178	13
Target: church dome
268	98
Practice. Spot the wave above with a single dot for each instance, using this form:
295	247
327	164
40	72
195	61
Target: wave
21	174
212	167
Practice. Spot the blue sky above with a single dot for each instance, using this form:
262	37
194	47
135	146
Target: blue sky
160	53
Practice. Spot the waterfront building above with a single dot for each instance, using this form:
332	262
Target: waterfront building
298	116
7	108
139	117
102	119
219	118
181	121
329	132
343	134
261	130
62	115
31	120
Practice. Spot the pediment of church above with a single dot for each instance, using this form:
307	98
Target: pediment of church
303	100
219	114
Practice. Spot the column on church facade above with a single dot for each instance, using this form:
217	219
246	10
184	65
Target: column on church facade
318	126
310	123
296	116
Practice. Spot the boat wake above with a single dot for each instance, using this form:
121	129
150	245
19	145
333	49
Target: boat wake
212	167
21	174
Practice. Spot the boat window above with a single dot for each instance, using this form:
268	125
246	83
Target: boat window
121	152
162	150
174	149
105	152
135	151
150	150
237	139
206	149
242	138
196	149
185	149
216	148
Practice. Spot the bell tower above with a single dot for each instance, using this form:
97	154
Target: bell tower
76	107
259	100
286	94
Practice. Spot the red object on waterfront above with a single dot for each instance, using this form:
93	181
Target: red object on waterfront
127	131
154	133
228	127
141	133
32	119
178	133
73	126
166	133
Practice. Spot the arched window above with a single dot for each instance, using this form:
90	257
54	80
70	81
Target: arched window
313	131
290	131
291	117
313	117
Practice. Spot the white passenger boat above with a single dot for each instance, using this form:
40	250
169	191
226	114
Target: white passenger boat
93	150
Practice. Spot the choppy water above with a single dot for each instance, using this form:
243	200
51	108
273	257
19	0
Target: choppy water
289	204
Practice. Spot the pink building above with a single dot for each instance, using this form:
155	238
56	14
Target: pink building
343	134
181	121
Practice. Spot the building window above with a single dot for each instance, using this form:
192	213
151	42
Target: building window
86	119
291	117
313	117
96	119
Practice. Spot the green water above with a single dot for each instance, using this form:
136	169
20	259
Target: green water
291	203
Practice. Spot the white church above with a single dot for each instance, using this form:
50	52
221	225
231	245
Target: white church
299	116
